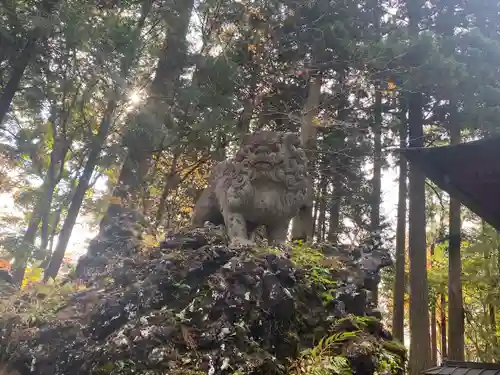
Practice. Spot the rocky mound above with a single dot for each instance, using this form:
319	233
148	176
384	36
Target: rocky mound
194	306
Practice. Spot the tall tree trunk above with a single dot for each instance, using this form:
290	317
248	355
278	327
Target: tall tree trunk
57	218
302	225
442	311
245	118
171	180
17	74
442	304
334	212
320	231
315	215
488	261
493	322
420	351
141	146
44	235
22	61
43	203
419	299
334	220
434	346
377	148
336	198
400	279
377	172
455	301
433	324
81	189
377	162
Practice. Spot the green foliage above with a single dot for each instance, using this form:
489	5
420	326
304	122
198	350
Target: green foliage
37	302
389	362
324	358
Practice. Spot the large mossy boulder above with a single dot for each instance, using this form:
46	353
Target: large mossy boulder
192	305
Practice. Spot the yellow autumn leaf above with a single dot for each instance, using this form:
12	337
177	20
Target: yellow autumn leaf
316	121
31	276
150	240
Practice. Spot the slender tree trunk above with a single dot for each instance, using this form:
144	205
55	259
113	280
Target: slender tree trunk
377	162
442	310
377	148
334	212
46	214
322	207
17	74
249	106
420	351
493	321
302	225
42	206
81	189
336	198
433	325
333	226
315	215
22	61
146	198
377	174
400	279
420	354
493	327
171	180
455	301
434	347
442	304
57	218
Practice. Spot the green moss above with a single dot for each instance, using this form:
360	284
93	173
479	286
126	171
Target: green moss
358	322
127	367
319	269
305	256
261	250
395	347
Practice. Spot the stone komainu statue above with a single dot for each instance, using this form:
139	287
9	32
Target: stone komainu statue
266	183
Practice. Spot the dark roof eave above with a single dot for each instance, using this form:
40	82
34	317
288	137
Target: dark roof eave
419	156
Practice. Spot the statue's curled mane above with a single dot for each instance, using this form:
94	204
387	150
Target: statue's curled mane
269	156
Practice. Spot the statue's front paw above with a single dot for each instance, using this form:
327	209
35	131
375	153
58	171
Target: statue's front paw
238	243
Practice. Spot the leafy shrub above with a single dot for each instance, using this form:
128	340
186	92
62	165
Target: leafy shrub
324	358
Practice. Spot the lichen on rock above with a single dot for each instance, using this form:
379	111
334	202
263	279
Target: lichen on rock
194	305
